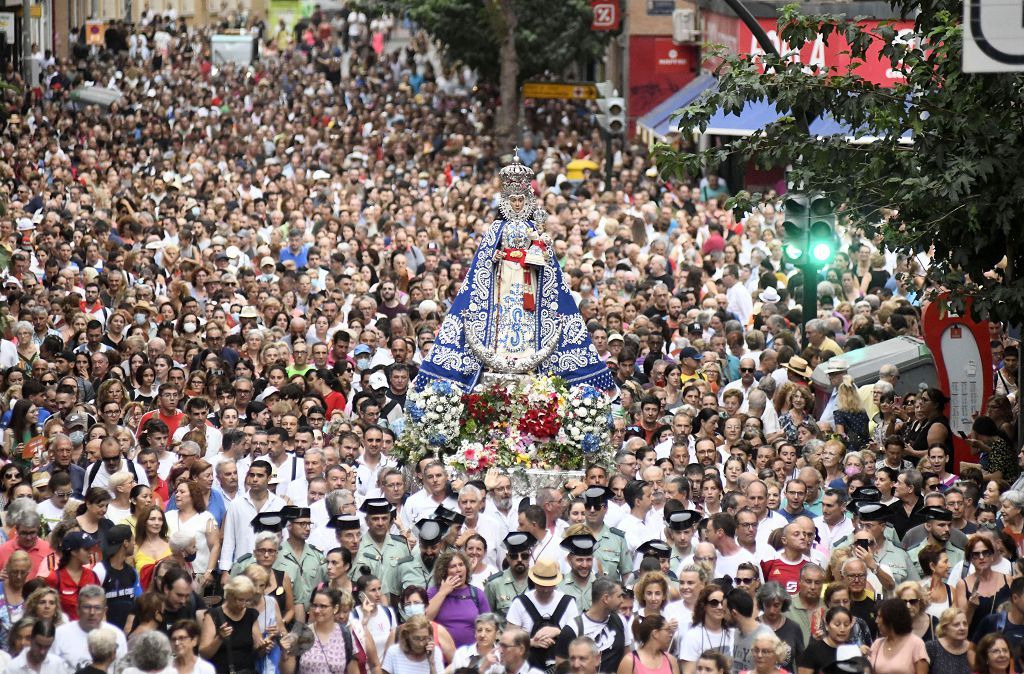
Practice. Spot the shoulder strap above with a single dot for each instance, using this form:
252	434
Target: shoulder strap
563	606
94	469
579	625
531	610
473	594
1001	621
346	633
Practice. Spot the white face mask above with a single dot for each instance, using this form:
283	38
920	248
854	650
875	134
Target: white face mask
189	327
141	318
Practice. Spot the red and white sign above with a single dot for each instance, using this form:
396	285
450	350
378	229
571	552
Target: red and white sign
669	56
963	363
835	55
606	15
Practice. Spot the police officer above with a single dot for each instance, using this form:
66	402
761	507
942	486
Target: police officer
659	550
580	580
612	552
937	522
679	529
417	568
270	521
454	520
303	562
503	587
379	550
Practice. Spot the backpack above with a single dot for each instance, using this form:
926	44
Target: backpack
94	470
540	658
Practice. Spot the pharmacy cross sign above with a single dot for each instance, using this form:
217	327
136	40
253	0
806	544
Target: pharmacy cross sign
993	33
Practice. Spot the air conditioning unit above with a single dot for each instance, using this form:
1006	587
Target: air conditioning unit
684	25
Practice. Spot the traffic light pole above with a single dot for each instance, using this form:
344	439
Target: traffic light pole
810	300
609	160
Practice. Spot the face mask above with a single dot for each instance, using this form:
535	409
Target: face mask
195	211
363	363
423	184
141	318
851	470
991	526
77	437
189	327
192	557
630	287
414	609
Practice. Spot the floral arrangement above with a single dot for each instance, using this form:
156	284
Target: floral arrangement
526	422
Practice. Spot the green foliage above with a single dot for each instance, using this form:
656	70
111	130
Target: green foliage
958	187
550	36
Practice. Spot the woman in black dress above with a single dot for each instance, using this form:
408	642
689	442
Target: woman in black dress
231	638
934	429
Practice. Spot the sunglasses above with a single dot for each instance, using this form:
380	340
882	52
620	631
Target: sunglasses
745	581
519	555
716	603
746	369
979	554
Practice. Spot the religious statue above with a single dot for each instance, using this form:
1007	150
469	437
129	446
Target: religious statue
514	314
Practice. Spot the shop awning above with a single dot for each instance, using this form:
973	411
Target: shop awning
657	123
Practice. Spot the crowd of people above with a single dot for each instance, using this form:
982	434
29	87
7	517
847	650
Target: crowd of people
217	293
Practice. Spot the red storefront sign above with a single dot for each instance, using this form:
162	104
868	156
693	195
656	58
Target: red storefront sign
607	16
658	67
834	55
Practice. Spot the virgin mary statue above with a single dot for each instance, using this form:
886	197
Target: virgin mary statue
514	314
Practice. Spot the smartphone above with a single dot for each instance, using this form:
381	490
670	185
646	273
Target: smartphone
862	543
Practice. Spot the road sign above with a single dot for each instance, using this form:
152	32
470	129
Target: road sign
993	36
606	15
563	90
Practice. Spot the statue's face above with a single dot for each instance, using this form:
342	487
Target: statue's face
517	202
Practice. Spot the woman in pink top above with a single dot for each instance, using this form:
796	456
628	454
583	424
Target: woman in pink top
898	650
654	636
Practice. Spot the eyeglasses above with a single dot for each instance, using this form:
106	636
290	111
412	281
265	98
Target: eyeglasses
745	581
912	602
855	576
265	551
762	651
716	603
978	554
48	382
62	494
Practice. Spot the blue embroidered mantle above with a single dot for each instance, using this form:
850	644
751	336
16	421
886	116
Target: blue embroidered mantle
453	359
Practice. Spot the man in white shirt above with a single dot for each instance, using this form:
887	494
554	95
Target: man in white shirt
740	302
500	502
433	494
721	533
833	524
71	640
196	412
37	657
544	600
638	495
239	536
745	384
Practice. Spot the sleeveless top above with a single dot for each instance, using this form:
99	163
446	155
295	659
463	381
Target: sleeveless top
238	652
640	668
944	661
987	605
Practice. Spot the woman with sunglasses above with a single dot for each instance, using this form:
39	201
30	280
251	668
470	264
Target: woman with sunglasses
708	629
983	590
10	477
915	597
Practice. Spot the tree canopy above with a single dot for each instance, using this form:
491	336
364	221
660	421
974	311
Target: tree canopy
956	186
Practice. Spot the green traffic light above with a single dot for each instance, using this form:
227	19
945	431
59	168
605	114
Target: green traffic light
821	252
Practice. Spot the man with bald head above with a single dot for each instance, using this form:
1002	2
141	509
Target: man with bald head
745	384
797	538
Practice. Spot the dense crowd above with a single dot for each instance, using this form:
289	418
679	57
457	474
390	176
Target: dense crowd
216	294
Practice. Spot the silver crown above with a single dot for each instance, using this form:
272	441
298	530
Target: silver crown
516	178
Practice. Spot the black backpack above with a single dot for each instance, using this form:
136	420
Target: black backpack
543	658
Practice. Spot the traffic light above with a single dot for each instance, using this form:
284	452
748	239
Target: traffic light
611	116
822	241
795	209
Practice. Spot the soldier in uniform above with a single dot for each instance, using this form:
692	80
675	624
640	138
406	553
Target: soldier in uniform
937	522
503	587
348	532
303	562
454	520
679	530
271	521
657	549
579	582
612	553
379	550
417	568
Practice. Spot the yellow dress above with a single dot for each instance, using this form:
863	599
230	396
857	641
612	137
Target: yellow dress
142	560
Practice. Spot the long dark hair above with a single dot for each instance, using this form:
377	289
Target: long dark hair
19	420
